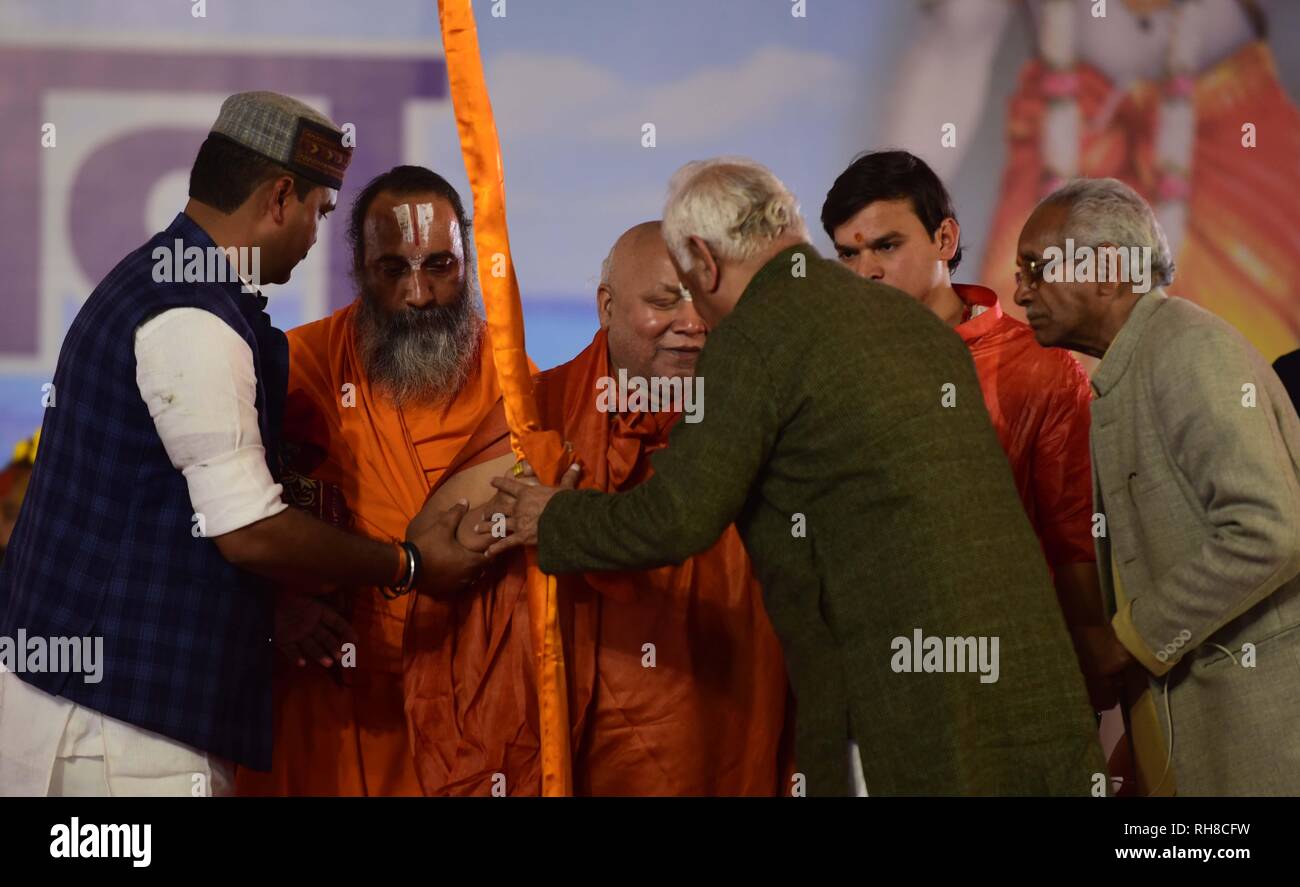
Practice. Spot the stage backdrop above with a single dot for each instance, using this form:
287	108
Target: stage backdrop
103	105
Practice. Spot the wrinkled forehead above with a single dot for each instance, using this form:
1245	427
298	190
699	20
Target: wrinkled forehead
411	224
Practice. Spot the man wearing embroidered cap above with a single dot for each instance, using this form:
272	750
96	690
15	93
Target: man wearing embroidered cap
154	511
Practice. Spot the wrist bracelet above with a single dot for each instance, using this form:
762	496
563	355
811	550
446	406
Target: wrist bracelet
402	567
413	554
409	573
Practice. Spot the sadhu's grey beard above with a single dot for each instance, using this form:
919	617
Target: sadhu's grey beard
422	356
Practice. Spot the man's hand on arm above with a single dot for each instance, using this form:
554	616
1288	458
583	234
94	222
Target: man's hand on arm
446	566
198	379
294	547
479	528
529	501
700	483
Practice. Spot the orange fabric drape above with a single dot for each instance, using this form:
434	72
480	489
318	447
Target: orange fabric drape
343	731
543	449
711	717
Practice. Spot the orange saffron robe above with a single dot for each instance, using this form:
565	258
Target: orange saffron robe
677	684
1039	401
343	731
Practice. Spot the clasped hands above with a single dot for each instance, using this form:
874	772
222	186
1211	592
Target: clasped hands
509	519
456	544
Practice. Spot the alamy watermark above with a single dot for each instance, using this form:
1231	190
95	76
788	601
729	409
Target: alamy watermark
213	264
88	840
636	394
63	655
1101	264
931	653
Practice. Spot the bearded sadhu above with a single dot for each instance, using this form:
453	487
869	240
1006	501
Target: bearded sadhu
385	399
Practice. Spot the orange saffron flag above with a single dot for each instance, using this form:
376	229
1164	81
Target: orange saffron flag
544	449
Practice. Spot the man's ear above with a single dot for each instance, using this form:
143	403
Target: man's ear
278	197
1108	289
604	305
947	236
704	268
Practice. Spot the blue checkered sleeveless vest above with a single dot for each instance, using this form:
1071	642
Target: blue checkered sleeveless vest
106	543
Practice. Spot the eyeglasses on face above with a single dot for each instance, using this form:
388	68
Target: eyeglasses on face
1029	272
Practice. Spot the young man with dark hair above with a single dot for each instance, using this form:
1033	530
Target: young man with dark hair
891	220
225	174
154	514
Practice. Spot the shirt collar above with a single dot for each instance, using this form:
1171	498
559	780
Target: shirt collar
983	322
1120	353
193	234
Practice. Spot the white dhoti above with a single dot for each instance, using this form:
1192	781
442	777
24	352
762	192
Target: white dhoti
52	746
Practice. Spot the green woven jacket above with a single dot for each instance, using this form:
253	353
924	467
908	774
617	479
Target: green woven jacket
845	435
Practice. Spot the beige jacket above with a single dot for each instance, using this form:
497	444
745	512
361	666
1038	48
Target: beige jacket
1196	467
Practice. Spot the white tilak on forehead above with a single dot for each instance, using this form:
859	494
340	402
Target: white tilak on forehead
403	213
424	217
417	233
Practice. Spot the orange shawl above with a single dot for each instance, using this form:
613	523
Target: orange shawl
708	718
343	731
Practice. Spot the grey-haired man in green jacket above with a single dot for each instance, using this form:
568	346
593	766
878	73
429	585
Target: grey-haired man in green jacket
845	435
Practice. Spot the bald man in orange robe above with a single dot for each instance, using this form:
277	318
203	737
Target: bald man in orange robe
385	397
676	680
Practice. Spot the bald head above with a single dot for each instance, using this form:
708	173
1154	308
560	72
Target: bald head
653	329
638	241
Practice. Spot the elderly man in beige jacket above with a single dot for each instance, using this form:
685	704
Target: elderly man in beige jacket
1196	480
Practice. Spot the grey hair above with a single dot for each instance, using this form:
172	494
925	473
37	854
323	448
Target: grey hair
1108	211
606	265
734	204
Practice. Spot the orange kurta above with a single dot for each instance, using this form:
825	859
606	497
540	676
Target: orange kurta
1241	246
708	717
343	731
1038	399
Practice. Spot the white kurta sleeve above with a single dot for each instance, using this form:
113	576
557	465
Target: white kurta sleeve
196	375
